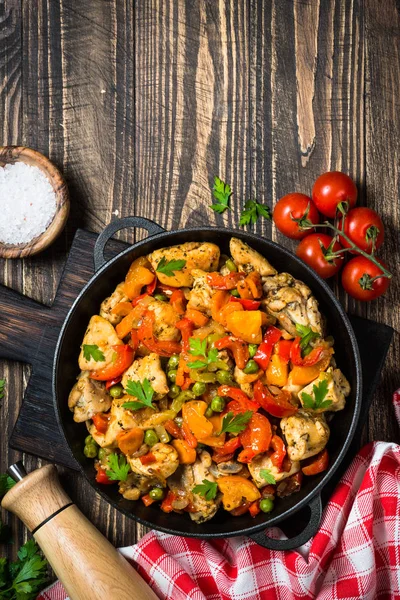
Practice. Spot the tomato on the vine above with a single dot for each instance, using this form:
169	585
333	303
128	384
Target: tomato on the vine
311	252
330	189
358	279
294	206
363	226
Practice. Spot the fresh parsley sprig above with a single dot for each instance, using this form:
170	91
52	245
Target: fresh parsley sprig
93	351
307	335
199	348
169	267
208	489
222	192
267	475
119	468
235	424
140	390
24	578
252	211
318	402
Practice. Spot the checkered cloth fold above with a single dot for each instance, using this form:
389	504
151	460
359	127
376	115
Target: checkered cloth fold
355	554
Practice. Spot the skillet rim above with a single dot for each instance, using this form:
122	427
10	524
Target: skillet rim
319	283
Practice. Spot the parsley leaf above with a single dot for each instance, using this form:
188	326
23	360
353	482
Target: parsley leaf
199	348
252	211
320	391
142	391
93	351
6	483
222	193
119	468
2	384
208	489
307	335
24	578
267	475
169	267
235	424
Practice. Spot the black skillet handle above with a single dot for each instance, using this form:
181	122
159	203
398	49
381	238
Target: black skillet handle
308	532
107	233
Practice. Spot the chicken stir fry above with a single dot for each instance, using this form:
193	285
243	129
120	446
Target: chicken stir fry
207	381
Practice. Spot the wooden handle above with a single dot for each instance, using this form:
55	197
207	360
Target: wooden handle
85	562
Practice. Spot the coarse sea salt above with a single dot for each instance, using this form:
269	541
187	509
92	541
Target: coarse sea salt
27	203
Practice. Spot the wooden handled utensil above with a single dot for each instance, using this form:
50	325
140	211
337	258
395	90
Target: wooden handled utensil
88	566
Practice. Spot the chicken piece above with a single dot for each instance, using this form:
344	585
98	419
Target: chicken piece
338	390
183	482
120	420
291	302
136	485
148	367
198	255
87	398
201	294
241	377
248	259
164	466
306	434
263	461
108	304
100	333
165	319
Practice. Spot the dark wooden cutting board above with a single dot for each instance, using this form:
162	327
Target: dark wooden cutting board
36	430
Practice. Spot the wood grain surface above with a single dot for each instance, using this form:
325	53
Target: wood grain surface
141	104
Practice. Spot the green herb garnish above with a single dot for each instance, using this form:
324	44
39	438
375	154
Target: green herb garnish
267	475
93	351
307	336
169	267
119	468
235	424
320	392
208	489
24	578
222	193
199	348
143	391
252	211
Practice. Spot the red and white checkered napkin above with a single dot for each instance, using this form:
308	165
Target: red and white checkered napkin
355	554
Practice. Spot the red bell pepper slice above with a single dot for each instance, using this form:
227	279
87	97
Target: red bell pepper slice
318	464
136	300
146	336
219	458
147	501
254	508
151	287
283	348
173	429
256	438
279	453
134	340
125	356
102	477
307	361
240	510
247	304
178	301
264	351
147	459
239	349
188	436
101	421
277	406
186	327
224	282
243	402
112	382
166	504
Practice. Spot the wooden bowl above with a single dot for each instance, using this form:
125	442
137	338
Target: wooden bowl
13	154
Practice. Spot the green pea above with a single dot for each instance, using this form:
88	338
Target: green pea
103	454
173	362
224	377
266	505
89	440
251	367
231	265
253	350
217	404
90	451
209	412
150	437
160	297
235	293
199	388
172	376
174	391
156	494
116	391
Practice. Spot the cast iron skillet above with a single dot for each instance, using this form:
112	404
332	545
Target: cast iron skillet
65	370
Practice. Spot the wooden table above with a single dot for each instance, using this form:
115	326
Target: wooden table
141	107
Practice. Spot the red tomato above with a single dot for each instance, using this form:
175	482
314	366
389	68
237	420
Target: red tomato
310	251
330	189
357	275
360	223
294	205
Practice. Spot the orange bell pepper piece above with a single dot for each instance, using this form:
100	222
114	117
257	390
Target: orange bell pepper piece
277	372
193	415
245	325
197	317
178	301
186	454
131	440
141	277
254	284
122	309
